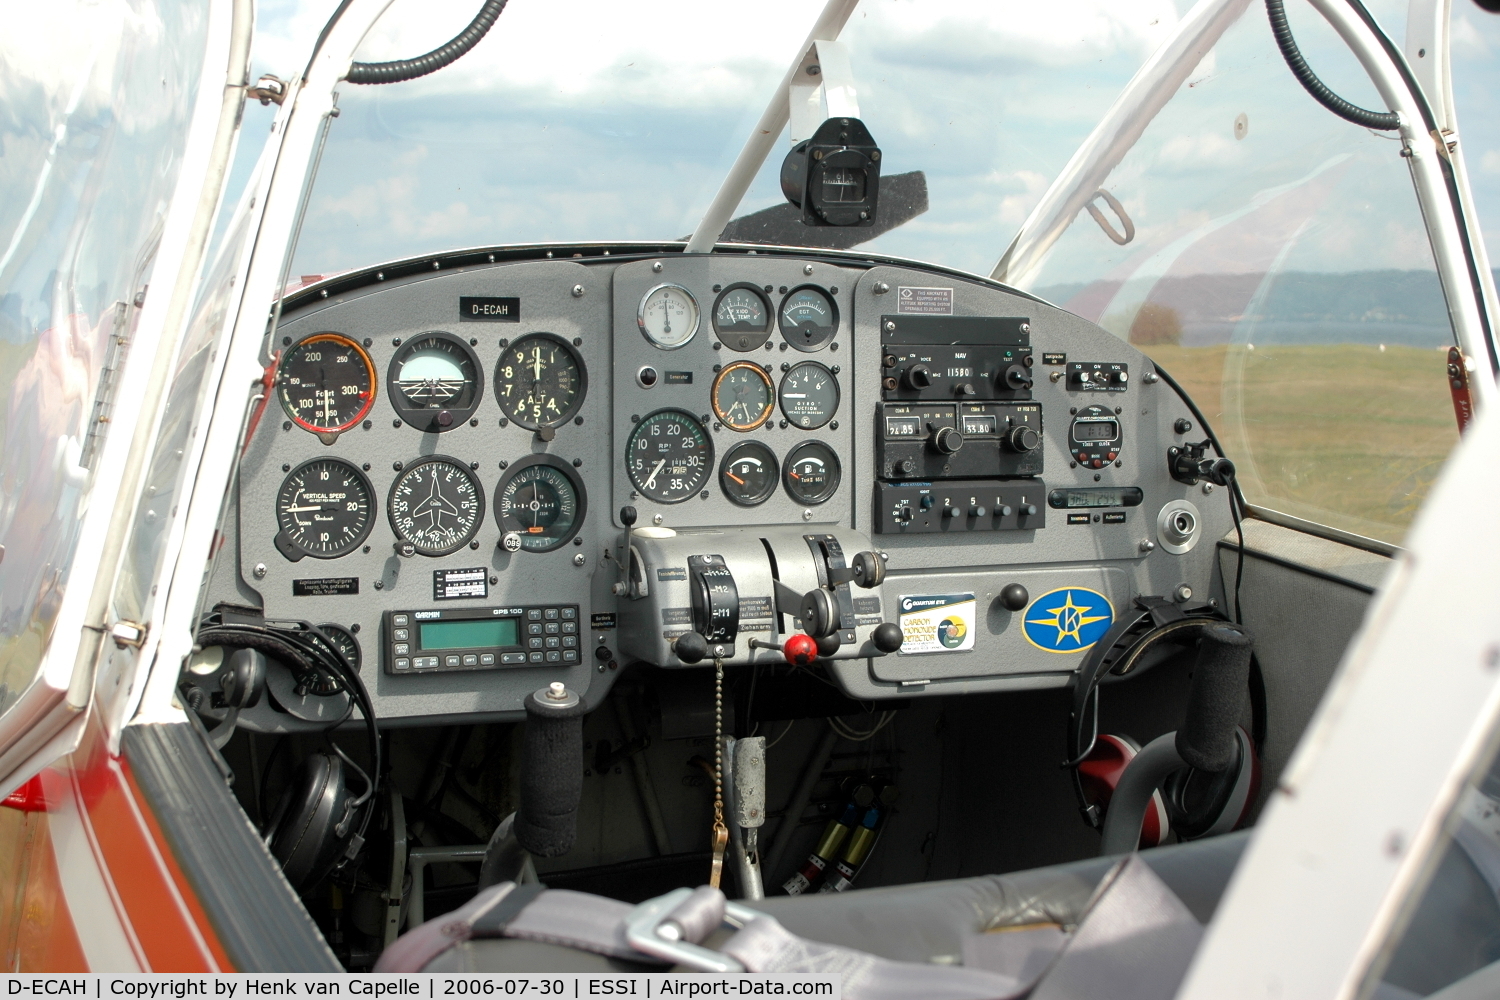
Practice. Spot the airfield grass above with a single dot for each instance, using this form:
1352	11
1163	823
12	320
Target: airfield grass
1345	434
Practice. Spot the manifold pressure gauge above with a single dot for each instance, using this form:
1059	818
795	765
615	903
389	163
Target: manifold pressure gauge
542	502
324	510
742	396
669	456
436	505
668	316
434	381
326	384
540	381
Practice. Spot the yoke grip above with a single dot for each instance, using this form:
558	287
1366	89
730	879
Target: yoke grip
551	775
1216	699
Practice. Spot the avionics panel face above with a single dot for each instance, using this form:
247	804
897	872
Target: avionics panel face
461	437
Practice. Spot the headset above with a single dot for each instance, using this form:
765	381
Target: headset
1191	803
319	824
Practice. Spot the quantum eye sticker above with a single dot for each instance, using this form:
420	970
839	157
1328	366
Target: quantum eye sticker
937	623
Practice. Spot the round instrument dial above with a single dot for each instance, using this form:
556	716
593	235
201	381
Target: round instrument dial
320	683
326	384
812	473
540	381
434	380
324	509
542	501
809	395
742	396
742	317
748	474
668	316
436	504
809	318
669	456
344	640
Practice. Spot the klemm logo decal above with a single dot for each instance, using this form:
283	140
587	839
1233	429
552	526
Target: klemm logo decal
1068	619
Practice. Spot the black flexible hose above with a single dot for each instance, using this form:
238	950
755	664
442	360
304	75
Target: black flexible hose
1310	82
398	70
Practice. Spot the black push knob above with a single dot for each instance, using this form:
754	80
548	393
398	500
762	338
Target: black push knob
1182	425
1017	377
691	647
977	511
1028	509
1022	439
908	467
887	637
1013	597
950	511
918	377
828	644
627	516
947	440
965	390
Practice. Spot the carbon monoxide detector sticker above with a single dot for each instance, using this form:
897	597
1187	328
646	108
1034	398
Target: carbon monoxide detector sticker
937	623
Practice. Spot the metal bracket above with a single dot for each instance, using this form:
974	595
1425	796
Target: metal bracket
642	924
128	634
823	77
268	90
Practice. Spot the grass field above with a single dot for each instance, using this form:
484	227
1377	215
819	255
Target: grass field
1345	434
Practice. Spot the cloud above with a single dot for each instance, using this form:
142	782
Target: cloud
1490	162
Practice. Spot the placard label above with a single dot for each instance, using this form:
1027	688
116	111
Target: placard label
929	301
937	623
455	584
489	309
328	586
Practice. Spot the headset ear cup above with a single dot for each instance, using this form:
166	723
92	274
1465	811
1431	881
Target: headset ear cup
1202	804
302	836
1100	772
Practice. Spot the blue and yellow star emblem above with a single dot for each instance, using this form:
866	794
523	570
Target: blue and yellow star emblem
1068	619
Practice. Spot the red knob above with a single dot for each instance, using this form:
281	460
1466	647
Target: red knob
800	650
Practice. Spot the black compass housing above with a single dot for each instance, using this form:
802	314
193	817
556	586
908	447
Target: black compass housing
834	177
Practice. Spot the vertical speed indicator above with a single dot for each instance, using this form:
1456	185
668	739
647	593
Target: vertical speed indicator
323	510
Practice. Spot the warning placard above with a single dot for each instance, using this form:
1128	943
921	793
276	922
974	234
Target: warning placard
937	623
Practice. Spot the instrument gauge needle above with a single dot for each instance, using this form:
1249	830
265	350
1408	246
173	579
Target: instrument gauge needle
735	478
651	479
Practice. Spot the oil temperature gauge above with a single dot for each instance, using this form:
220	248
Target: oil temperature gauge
812	473
748	474
742	317
668	316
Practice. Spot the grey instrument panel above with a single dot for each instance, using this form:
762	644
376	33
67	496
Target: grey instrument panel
595	306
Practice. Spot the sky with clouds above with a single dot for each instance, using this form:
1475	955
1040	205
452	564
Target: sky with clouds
601	120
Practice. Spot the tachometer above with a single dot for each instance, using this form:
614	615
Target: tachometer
748	474
323	509
434	380
542	501
669	456
809	318
540	381
812	473
668	316
326	384
809	395
742	317
742	396
436	504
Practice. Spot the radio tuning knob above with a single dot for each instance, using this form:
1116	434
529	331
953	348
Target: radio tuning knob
947	440
918	377
1022	439
965	389
1017	377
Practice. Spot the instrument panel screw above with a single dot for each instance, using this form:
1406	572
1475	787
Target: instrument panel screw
1147	545
286	341
881	288
807	514
577	462
1025	327
286	425
474	422
1150	378
834	426
577	341
474	466
704	494
657	268
578	540
379	584
1208	487
577	291
657	519
366	550
474	545
395	423
368	424
396	466
494	580
284	468
260	571
578	559
578	421
890	326
807	269
395	341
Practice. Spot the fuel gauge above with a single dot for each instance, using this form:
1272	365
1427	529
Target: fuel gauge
812	473
748	474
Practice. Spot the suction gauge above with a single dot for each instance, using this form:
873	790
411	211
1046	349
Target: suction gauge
668	316
540	381
812	473
542	501
323	509
434	380
809	318
809	395
436	505
748	474
326	384
742	317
